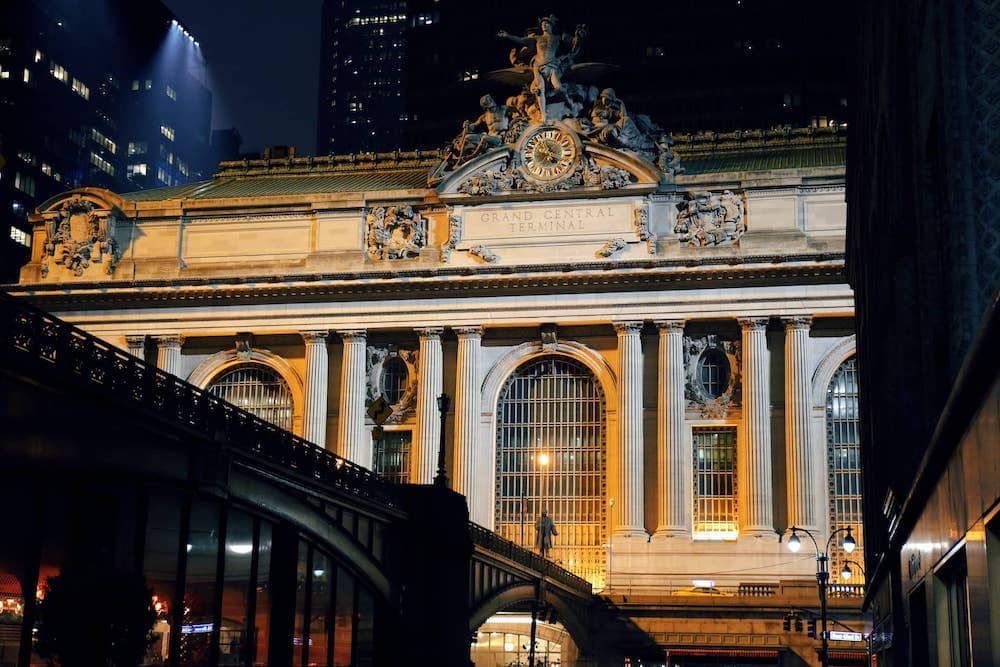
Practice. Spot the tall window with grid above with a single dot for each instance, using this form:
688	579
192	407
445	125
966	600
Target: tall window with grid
715	515
392	456
551	455
258	390
844	457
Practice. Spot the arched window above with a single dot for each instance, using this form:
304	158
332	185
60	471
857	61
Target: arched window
551	455
258	390
713	371
844	460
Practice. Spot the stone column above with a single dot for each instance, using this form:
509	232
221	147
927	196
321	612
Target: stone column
467	400
799	462
756	513
168	352
630	474
673	453
317	386
423	452
136	345
353	443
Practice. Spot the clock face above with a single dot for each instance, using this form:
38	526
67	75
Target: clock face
548	154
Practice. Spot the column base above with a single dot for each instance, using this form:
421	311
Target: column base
630	531
668	533
764	534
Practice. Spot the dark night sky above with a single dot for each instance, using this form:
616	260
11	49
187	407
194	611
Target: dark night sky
263	66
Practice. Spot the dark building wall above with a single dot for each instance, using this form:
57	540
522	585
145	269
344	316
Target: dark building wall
923	248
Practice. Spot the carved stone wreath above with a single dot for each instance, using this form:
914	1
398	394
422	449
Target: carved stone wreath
709	219
78	236
697	396
396	232
376	362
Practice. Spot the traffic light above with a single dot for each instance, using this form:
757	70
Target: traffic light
798	624
787	623
812	628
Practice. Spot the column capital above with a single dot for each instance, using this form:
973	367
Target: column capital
628	327
430	332
476	330
135	340
752	323
670	326
350	335
797	321
315	337
169	340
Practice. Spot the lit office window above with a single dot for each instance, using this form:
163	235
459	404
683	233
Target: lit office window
171	93
392	456
551	455
80	89
715	516
59	72
20	236
38	56
101	163
24	183
102	140
137	148
167	131
258	390
136	169
843	451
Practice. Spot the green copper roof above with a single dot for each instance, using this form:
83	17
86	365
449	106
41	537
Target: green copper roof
765	160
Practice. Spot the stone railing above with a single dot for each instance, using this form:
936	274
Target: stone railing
43	347
492	542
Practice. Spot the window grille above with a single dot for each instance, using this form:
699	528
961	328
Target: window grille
715	516
258	390
553	409
843	450
392	456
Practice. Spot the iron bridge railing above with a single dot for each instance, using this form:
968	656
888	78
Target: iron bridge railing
42	343
492	542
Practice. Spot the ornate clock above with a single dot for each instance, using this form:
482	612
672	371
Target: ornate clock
548	153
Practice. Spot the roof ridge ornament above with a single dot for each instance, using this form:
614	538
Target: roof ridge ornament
545	125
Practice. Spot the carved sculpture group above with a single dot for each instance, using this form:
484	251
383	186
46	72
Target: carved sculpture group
544	62
711	220
78	235
396	232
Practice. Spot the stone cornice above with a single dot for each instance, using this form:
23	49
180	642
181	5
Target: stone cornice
693	273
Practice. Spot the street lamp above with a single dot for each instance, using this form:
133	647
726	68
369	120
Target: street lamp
822	573
441	478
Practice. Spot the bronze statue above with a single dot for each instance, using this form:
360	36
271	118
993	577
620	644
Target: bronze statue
545	528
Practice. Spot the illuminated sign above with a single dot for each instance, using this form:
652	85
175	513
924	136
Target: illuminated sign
837	636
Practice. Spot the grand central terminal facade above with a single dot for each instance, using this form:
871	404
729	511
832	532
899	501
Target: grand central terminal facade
649	339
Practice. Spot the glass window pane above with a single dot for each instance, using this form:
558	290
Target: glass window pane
200	585
299	635
320	609
343	622
262	615
160	566
844	460
364	653
715	483
235	588
392	456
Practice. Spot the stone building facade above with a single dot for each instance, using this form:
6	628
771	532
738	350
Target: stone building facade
652	342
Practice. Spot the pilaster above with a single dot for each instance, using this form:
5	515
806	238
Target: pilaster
423	454
799	460
353	443
756	502
673	455
467	400
630	465
168	352
317	386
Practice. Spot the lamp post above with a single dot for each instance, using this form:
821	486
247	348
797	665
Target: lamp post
822	573
441	478
846	574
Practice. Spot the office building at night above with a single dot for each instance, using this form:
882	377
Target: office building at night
75	112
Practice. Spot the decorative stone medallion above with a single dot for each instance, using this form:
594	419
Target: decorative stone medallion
711	375
78	235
